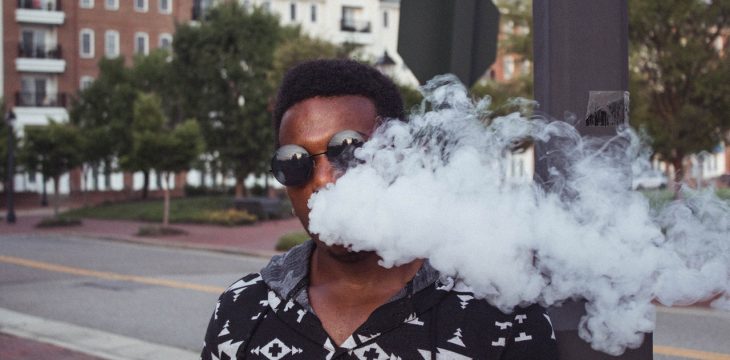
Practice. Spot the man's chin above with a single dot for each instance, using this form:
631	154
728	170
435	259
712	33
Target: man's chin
345	254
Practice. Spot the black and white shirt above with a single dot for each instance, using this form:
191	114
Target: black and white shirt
268	316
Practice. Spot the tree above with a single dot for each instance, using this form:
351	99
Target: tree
680	80
101	112
158	145
223	67
53	150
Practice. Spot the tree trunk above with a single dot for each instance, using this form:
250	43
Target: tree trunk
95	176
166	206
240	188
107	174
56	196
146	183
677	162
44	194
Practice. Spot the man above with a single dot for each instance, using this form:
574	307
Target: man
326	302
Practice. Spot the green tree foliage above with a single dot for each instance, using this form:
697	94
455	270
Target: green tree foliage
680	81
102	113
51	150
222	69
159	146
297	48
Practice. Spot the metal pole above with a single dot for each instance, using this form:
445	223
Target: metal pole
9	118
581	63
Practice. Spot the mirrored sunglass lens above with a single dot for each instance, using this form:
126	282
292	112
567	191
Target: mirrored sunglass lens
291	165
341	148
343	140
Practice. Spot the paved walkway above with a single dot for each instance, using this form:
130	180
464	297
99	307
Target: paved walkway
258	239
16	348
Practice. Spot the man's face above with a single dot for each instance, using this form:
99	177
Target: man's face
311	124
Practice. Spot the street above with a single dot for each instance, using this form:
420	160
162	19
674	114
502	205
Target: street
163	296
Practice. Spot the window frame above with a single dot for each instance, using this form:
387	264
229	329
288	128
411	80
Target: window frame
86	4
116	45
112	7
146	7
91	52
146	36
292	11
163	36
85	81
164	11
313	13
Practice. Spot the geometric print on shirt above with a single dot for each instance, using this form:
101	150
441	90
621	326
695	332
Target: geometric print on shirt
251	321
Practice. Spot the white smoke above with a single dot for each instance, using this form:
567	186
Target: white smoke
435	188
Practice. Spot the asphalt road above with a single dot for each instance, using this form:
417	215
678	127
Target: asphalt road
166	295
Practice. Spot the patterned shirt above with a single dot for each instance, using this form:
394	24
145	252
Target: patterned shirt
268	316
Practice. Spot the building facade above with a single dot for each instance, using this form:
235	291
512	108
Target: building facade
51	49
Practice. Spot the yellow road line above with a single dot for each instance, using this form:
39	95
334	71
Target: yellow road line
109	275
689	353
658	349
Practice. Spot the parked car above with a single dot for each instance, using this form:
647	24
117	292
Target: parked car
653	179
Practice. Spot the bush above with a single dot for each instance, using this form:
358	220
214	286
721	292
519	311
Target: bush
58	222
290	240
230	217
156	230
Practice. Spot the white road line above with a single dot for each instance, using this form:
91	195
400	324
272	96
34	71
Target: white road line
85	340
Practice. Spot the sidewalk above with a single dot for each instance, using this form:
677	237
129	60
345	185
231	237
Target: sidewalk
16	348
258	239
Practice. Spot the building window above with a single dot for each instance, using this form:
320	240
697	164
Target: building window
86	43
85	82
111	43
525	67
385	19
86	4
141	43
350	20
165	6
140	5
292	11
508	67
313	13
111	4
166	42
34	92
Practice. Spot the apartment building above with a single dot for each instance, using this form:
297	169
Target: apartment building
51	48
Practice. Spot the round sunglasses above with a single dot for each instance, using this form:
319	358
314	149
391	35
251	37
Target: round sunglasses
292	165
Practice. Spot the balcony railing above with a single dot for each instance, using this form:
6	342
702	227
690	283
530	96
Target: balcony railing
39	52
40	99
355	26
40	5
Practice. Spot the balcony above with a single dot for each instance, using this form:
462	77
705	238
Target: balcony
40	99
39	52
34	58
355	32
47	12
349	25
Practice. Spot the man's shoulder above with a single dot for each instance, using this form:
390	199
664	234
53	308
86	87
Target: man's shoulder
247	289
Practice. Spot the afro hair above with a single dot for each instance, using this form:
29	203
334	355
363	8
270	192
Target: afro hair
337	77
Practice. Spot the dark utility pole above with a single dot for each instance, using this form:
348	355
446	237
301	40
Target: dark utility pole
581	67
10	187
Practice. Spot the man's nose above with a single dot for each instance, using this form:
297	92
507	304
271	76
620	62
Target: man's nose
323	173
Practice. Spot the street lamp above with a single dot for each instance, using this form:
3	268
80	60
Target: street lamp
10	188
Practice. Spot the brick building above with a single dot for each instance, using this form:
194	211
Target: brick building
51	48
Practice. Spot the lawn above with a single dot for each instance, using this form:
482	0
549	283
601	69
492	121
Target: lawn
660	198
203	209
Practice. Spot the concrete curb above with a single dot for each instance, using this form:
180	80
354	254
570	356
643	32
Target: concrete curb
93	342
